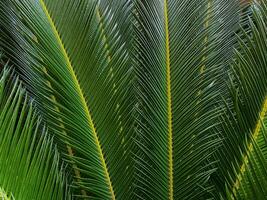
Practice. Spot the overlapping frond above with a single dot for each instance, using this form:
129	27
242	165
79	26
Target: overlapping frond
246	109
29	162
250	181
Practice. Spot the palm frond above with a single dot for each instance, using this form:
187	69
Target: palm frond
29	162
250	182
178	87
247	108
75	66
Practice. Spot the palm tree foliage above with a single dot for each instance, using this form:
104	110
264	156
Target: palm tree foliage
133	99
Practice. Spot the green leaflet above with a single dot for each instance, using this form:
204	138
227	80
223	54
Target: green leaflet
29	162
251	179
5	196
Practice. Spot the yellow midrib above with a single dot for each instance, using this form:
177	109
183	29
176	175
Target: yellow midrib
250	147
169	101
88	115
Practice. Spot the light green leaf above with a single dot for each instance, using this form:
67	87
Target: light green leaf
29	162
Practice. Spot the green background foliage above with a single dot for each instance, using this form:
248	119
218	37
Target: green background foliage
133	99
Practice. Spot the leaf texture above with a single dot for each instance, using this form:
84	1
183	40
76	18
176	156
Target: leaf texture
85	116
29	162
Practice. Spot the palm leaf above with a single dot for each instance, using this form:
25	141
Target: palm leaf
178	86
251	179
29	162
56	50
